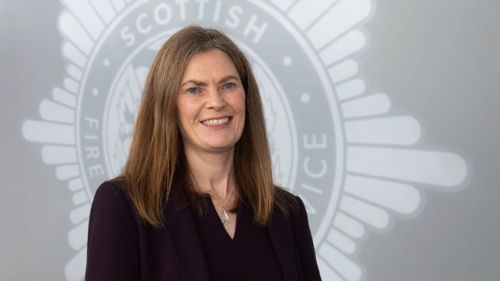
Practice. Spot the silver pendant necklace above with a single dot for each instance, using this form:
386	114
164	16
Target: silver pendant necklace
225	217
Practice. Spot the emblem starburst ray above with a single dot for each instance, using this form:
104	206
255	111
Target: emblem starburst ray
64	97
342	242
74	71
366	106
56	112
397	130
347	225
335	265
104	9
76	33
305	13
74	55
401	198
364	212
52	154
349	89
341	18
87	16
120	4
444	169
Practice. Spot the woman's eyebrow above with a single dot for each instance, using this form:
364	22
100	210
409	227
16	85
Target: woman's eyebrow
201	83
196	82
229	77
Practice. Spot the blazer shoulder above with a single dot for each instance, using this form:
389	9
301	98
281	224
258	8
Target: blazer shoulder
113	185
112	196
297	212
292	202
285	194
114	188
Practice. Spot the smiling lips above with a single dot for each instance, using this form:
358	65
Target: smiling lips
214	122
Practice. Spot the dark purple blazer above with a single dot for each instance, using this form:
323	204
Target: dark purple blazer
122	247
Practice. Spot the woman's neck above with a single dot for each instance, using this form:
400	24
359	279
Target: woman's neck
212	172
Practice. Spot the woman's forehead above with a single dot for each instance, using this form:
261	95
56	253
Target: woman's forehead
209	65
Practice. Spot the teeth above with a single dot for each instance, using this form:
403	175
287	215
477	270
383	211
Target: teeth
216	122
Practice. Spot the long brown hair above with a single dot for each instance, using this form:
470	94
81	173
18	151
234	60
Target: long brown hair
156	163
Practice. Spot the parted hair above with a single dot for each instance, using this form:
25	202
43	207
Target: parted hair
156	163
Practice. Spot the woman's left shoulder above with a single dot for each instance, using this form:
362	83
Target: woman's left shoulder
295	212
284	199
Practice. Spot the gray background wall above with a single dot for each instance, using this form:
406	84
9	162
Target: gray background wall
437	61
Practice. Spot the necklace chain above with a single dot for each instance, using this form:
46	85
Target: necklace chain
225	217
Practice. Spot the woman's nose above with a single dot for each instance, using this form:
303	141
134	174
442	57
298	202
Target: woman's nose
215	99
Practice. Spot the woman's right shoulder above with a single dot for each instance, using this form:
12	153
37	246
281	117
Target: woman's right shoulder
111	196
111	190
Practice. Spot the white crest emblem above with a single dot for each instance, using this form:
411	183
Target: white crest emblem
333	142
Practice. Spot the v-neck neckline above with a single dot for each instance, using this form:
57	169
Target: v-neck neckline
215	215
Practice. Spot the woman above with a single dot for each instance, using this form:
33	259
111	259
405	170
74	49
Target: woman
196	199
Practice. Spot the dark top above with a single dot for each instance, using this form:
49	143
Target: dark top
248	256
122	247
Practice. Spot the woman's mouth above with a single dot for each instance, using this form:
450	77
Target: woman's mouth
216	121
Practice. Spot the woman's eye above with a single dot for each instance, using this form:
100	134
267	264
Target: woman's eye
228	86
193	90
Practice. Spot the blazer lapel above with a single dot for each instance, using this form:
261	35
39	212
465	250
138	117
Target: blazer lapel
180	226
281	236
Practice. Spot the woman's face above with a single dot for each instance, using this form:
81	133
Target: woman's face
211	103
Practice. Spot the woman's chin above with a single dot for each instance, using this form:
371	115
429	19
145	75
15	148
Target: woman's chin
222	146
